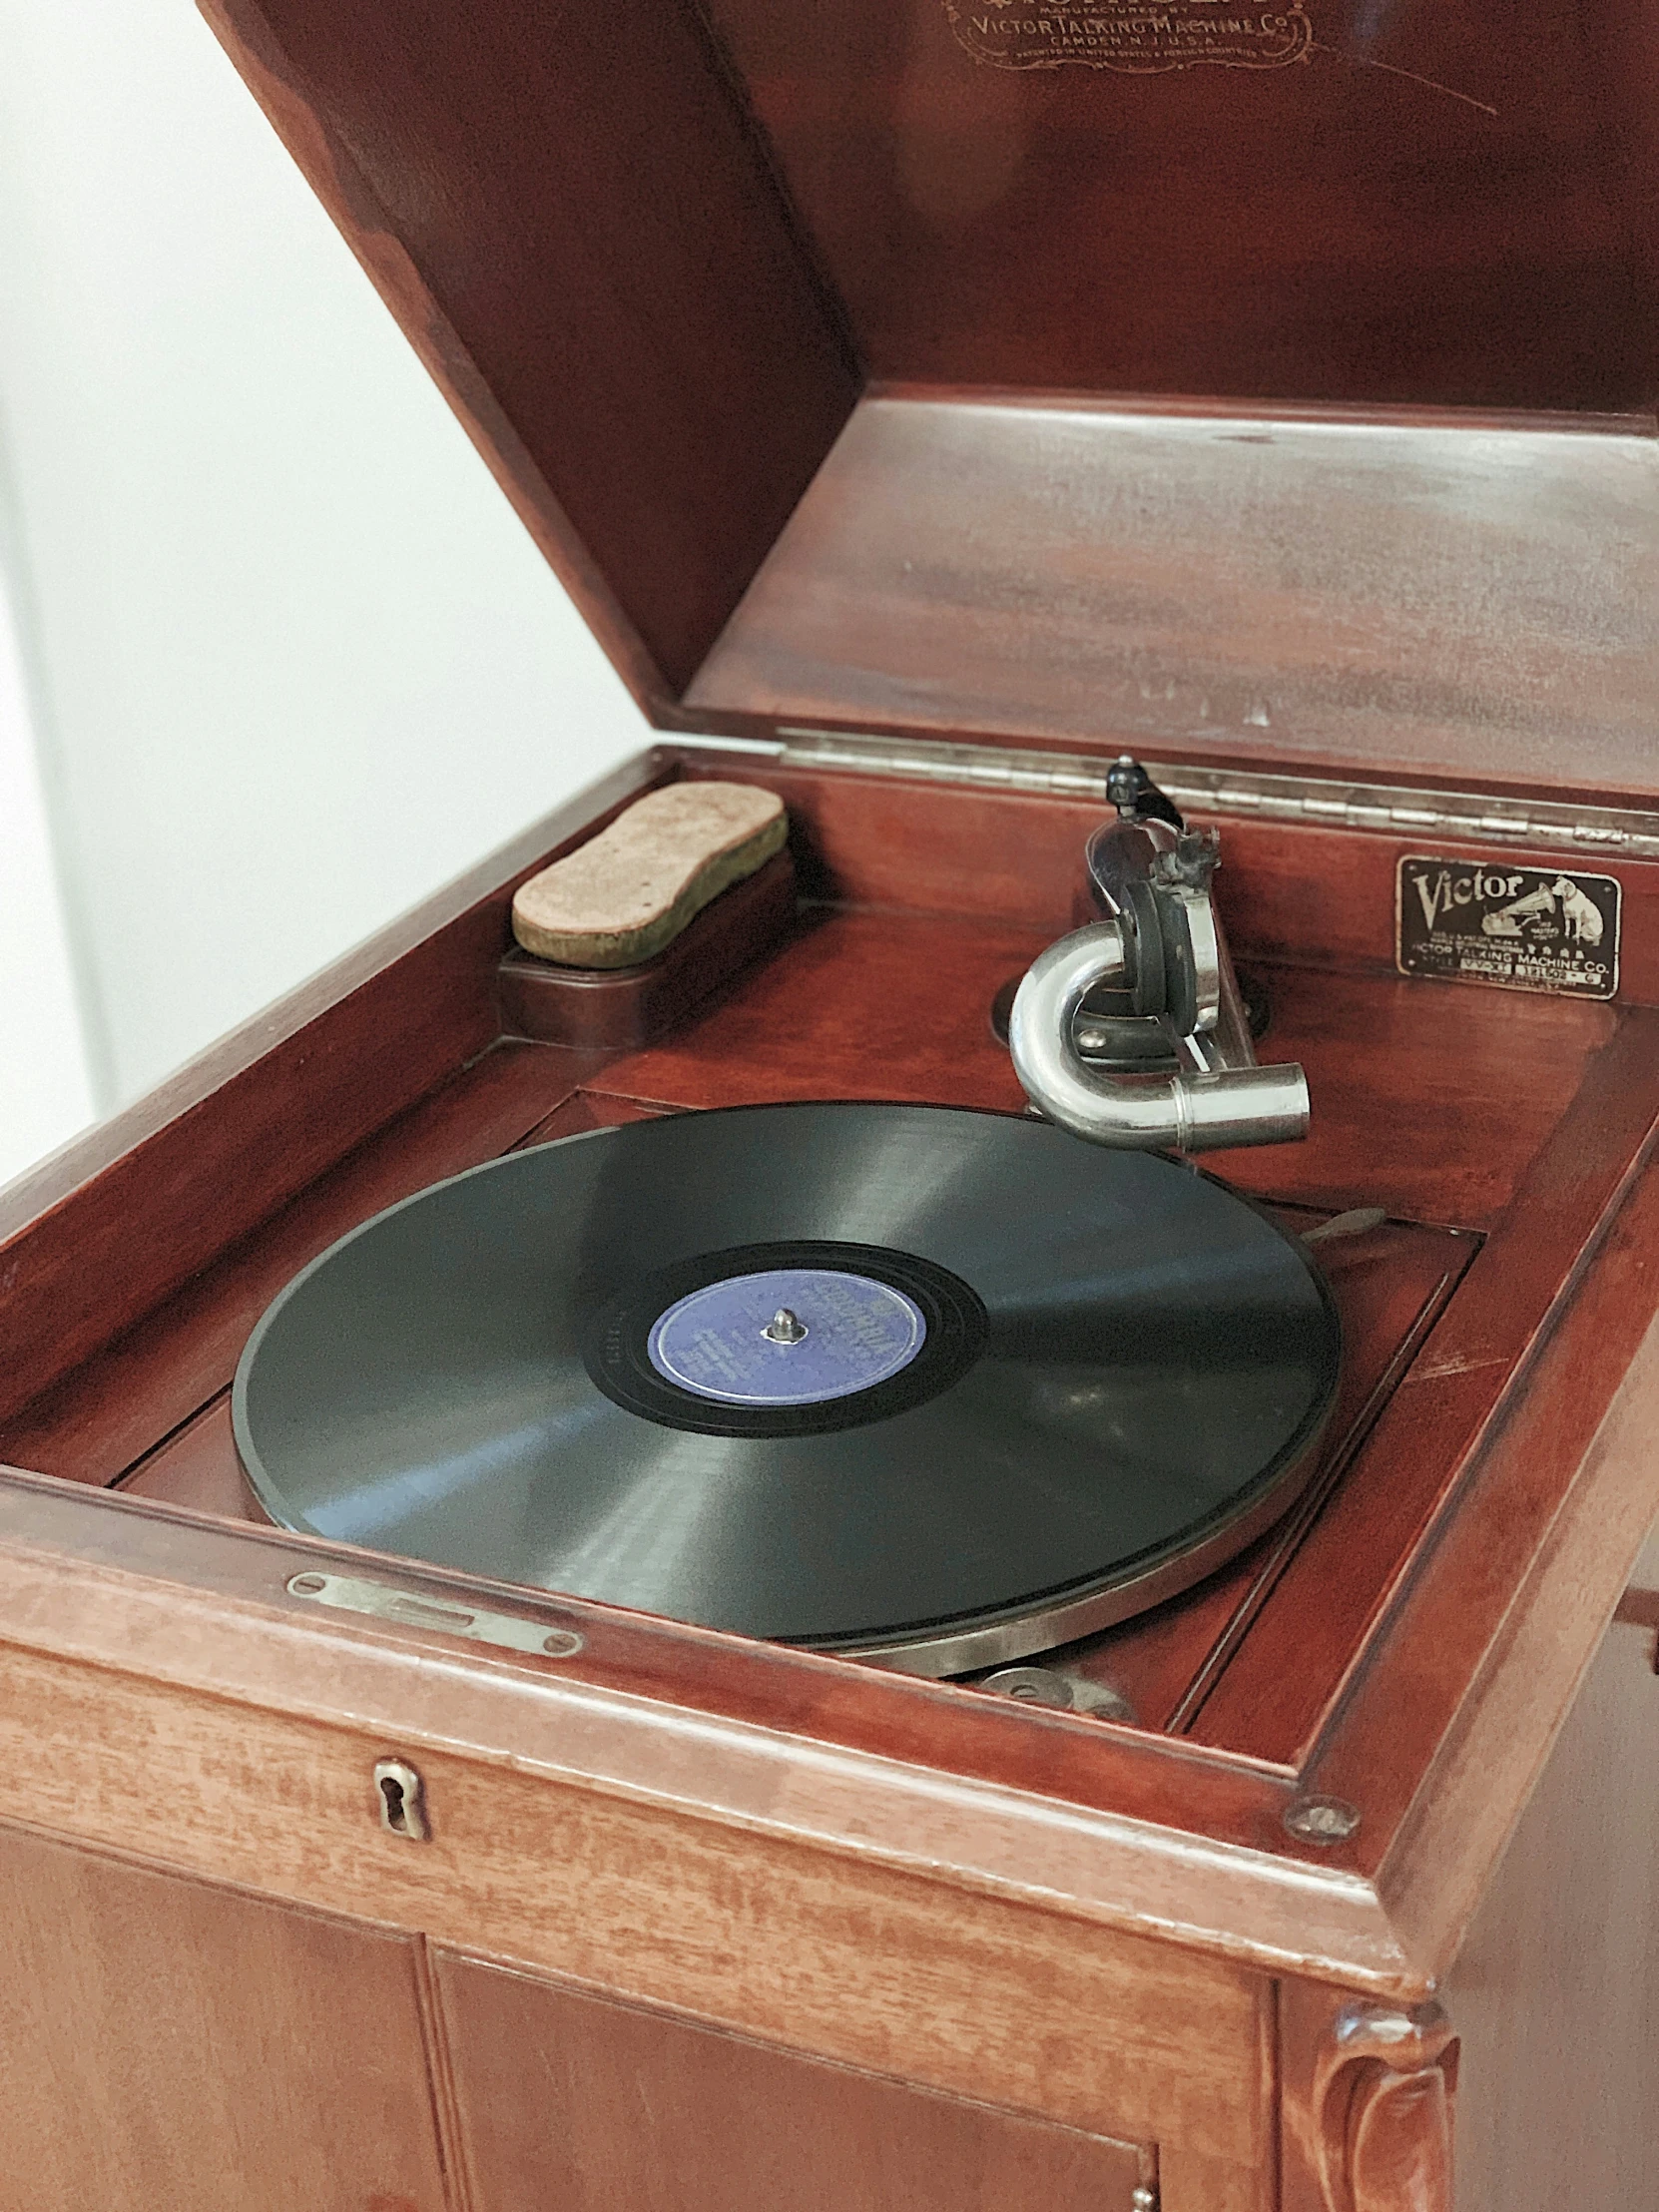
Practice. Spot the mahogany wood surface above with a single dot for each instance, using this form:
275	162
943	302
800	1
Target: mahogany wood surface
173	2042
1504	1134
229	1162
114	1249
961	851
853	1956
1544	1202
168	1362
1383	2090
857	993
565	2098
197	1466
1438	603
869	1006
1367	2102
1429	208
568	214
978	1793
1515	1591
1314	1624
857	1005
1391	1285
1556	1991
654	262
650	256
1301	895
616	1007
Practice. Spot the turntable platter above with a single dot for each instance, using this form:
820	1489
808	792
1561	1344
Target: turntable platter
945	1387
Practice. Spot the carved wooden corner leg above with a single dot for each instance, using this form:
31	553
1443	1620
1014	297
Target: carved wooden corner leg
1381	2111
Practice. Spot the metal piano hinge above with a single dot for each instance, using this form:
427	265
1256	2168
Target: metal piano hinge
1475	818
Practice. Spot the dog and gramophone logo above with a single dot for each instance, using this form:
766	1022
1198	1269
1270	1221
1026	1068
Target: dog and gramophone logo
1521	928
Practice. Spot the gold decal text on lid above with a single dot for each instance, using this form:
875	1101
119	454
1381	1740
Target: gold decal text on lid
1114	34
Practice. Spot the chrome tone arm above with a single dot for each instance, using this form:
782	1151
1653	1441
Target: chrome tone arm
1233	1105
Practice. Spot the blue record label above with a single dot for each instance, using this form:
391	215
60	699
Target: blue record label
789	1336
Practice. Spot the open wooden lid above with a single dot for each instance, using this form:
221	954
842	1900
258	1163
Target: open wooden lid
1269	386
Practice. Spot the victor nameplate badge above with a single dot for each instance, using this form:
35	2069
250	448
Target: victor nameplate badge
1520	928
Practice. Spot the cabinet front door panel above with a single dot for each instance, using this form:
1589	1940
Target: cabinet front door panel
572	2101
166	2045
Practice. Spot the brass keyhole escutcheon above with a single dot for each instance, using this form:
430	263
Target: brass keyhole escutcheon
402	1794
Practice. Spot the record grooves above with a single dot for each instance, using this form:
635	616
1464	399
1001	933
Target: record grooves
941	1386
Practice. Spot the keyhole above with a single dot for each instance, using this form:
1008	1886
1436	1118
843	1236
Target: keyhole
401	1811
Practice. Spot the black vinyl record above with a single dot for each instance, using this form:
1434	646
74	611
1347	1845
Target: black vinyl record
946	1387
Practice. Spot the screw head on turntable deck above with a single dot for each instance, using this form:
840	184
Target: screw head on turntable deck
940	1386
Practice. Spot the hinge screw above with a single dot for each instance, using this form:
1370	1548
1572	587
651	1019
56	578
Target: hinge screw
1322	1820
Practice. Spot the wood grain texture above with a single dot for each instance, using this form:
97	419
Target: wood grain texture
1301	895
295	1091
1207	588
896	1001
1366	2104
197	1468
832	1953
612	250
1382	2104
855	1005
156	1214
974	1792
171	2043
1407	1035
568	2099
1444	1734
103	1415
1390	1285
1463	1134
1328	900
1311	1638
1556	1994
570	218
1190	2182
1471	208
882	1005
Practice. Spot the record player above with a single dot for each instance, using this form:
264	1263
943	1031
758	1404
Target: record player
1036	448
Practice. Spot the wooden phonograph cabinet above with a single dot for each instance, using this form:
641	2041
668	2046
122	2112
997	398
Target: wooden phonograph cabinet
928	403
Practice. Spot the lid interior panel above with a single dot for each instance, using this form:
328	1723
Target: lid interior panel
1479	601
570	213
1404	201
1273	386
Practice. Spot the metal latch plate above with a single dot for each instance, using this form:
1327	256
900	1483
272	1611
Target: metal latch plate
385	1601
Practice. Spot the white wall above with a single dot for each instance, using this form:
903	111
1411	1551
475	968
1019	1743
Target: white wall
293	660
45	1083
